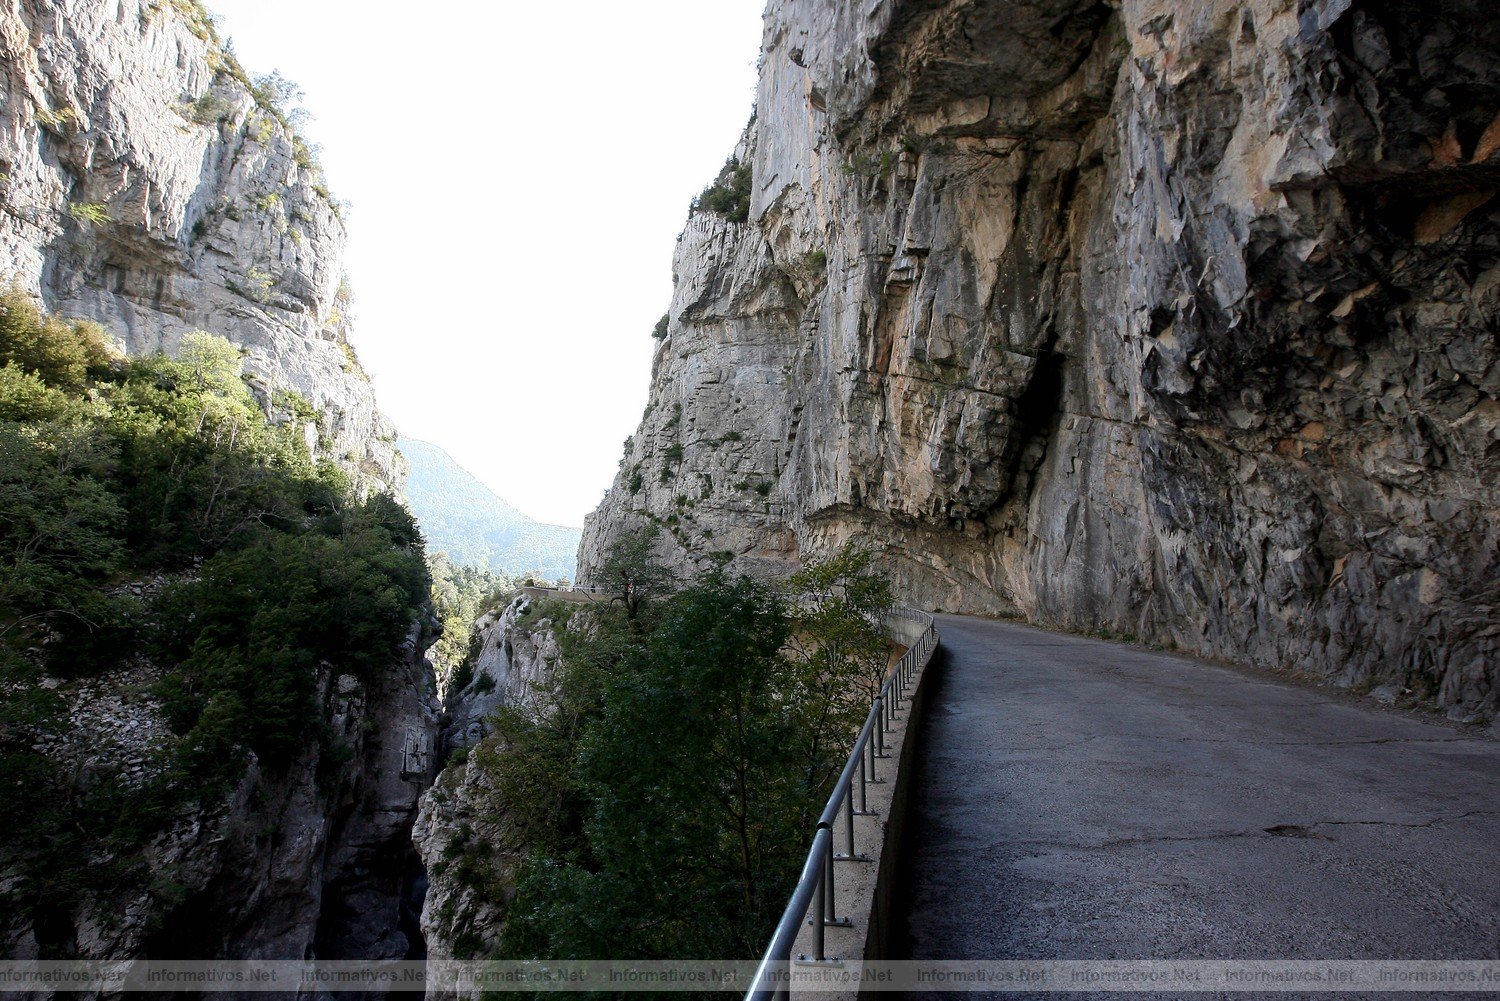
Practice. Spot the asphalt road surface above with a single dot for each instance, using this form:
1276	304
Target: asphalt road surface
1078	799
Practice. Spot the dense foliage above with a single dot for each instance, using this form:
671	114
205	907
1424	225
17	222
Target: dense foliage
254	567
460	595
662	808
729	195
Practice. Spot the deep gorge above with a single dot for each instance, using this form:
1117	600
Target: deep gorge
1169	322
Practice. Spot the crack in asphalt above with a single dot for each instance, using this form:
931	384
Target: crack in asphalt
1125	737
1282	830
1397	823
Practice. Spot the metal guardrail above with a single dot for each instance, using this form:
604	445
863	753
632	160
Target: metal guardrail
583	593
815	887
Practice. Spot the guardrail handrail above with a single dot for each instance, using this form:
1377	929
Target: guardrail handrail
569	587
815	887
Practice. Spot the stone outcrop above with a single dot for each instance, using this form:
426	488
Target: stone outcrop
1170	320
461	838
312	861
143	185
460	830
514	654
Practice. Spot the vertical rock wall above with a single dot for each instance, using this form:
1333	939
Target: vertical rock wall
142	186
1175	320
313	861
460	831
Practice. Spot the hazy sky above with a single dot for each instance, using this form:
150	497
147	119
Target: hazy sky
518	174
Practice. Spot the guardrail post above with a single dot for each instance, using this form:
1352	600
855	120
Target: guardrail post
849	823
864	793
832	917
833	920
819	909
850	855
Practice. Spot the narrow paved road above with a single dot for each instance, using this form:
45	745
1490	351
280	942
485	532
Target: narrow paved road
1076	799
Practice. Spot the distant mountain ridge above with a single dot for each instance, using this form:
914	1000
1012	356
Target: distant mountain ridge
465	519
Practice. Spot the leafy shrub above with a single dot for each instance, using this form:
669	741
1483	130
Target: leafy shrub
56	119
462	676
209	109
260	128
95	213
304	153
351	361
193	14
729	194
660	330
59	354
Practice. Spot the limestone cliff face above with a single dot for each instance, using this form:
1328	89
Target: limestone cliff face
312	861
512	662
1176	320
460	830
142	186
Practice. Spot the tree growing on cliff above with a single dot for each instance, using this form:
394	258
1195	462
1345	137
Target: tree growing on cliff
729	194
61	354
212	363
685	797
837	605
659	809
632	569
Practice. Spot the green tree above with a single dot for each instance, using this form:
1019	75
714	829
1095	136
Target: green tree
632	568
211	363
116	470
58	541
837	632
690	799
62	354
460	595
729	194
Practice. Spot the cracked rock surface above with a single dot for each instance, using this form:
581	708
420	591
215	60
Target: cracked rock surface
142	186
1135	804
461	827
1171	319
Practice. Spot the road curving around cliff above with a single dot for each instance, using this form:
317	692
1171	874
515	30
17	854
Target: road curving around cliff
1079	799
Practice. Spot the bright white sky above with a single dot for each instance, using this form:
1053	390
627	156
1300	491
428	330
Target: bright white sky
518	174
